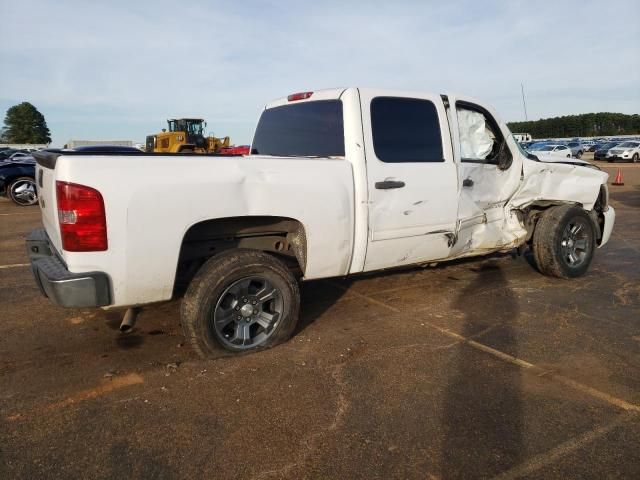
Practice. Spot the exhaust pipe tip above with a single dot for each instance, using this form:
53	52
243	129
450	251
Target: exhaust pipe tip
129	319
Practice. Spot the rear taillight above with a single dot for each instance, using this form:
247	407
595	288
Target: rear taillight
299	96
83	224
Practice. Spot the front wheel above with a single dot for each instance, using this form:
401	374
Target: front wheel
22	191
635	158
564	241
579	154
240	301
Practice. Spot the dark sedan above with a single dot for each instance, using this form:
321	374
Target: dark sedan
17	176
17	180
602	149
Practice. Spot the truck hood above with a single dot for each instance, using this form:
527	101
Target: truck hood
560	159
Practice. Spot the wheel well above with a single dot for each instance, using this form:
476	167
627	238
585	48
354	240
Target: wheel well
284	237
529	216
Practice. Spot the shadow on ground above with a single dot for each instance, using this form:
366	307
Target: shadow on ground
483	418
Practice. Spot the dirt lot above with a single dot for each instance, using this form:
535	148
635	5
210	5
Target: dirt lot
473	370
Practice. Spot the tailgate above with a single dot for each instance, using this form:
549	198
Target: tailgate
46	185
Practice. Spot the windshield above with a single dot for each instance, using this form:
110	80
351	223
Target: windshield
523	151
573	144
192	127
628	145
546	148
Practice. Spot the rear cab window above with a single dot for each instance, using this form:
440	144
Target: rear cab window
306	129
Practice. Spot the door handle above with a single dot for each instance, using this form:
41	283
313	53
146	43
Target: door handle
467	182
389	184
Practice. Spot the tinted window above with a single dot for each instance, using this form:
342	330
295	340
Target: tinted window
302	129
405	130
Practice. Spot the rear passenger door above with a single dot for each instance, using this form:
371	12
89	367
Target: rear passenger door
411	177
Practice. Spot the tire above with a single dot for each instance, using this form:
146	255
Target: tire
216	320
560	248
579	154
634	159
22	191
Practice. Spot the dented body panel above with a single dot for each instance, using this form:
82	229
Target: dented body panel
147	219
558	181
357	212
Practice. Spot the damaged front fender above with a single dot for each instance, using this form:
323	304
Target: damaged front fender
555	182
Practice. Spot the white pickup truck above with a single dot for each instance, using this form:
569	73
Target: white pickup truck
338	182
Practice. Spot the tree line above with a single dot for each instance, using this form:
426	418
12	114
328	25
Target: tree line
586	125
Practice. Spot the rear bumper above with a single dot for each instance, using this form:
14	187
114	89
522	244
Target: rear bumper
91	289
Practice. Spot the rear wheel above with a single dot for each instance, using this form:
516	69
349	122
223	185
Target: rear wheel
22	191
240	301
564	242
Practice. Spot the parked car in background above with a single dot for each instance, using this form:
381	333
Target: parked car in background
588	145
17	173
17	180
537	145
7	152
629	151
236	150
577	149
555	150
602	149
19	154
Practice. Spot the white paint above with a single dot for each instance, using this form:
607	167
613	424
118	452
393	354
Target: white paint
401	221
572	445
350	226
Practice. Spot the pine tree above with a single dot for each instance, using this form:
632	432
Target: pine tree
25	124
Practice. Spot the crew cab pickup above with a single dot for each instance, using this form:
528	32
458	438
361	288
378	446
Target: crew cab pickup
338	182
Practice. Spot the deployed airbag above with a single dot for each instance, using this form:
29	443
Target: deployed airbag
476	139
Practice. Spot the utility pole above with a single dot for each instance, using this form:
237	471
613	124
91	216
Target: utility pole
524	104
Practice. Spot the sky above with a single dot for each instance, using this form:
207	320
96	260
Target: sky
116	70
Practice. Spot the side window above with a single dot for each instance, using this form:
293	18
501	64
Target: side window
405	130
480	137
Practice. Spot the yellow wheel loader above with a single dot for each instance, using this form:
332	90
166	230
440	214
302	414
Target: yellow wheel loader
185	135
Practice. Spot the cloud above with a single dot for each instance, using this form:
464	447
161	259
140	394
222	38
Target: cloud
119	69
